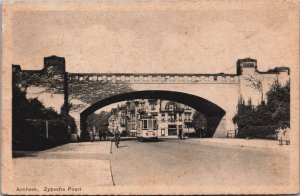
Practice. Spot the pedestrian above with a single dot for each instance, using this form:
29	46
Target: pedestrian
104	135
100	134
286	135
94	133
91	136
180	134
117	137
280	135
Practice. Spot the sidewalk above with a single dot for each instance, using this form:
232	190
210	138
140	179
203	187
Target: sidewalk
75	165
259	143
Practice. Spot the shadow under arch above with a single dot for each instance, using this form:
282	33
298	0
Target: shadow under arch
211	111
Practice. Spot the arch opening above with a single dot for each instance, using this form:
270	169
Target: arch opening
211	111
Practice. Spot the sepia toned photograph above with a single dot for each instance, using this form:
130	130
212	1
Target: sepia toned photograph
150	97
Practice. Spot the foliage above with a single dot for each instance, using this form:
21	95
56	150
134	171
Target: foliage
99	121
261	132
29	123
279	104
199	123
261	121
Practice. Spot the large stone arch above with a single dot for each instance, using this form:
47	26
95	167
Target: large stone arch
214	113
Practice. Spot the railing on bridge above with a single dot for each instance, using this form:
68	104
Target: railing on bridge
155	78
231	133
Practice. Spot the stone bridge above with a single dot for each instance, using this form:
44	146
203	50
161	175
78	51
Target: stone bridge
215	95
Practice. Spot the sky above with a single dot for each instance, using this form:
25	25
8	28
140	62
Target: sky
196	39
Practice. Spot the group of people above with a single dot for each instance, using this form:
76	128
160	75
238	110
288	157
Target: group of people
283	135
103	134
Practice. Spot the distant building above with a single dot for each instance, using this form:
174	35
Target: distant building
117	120
171	116
174	117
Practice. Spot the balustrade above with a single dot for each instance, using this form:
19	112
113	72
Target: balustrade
156	78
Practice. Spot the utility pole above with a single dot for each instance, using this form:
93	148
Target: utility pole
47	129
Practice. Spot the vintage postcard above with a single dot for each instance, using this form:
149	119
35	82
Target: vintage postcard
150	97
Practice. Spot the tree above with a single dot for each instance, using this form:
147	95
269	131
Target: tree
256	83
99	121
244	115
29	121
199	123
264	119
279	103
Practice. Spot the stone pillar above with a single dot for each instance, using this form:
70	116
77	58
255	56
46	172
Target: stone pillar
221	130
216	126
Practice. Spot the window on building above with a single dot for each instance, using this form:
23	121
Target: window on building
171	106
172	118
189	117
139	125
163	116
152	106
155	127
180	117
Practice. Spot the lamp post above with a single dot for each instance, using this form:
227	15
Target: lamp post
47	129
46	126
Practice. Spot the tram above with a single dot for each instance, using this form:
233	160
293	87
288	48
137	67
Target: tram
147	129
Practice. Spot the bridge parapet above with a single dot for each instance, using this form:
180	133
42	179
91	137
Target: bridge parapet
156	78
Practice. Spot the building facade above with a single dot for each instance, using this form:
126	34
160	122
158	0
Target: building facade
172	117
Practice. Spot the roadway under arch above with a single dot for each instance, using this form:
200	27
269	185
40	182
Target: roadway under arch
211	111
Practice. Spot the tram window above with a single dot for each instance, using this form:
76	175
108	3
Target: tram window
145	124
149	124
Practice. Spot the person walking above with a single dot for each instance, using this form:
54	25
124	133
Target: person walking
117	137
104	135
100	134
180	134
91	135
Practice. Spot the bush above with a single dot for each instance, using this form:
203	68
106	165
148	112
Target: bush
29	123
261	132
32	135
58	130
